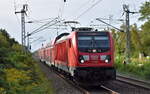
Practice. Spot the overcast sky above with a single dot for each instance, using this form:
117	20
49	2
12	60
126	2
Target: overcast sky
72	9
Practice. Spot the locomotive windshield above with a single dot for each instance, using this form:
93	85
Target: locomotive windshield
93	42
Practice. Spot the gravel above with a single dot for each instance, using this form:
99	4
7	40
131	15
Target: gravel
60	86
124	88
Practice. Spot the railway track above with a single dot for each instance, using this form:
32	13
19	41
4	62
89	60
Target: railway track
134	82
67	80
121	85
110	91
101	90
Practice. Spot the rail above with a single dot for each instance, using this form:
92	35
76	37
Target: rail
80	88
109	90
84	91
133	81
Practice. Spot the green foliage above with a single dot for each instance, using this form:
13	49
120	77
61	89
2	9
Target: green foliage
3	41
145	38
145	11
140	44
119	40
17	47
20	74
145	15
140	41
140	68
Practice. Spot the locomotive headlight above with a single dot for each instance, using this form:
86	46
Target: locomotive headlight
105	58
106	61
83	58
82	61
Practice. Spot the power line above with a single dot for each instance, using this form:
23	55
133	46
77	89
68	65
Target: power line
123	2
39	21
61	8
83	5
45	26
42	26
109	25
89	9
15	7
134	5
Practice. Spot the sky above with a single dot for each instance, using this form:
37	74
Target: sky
83	11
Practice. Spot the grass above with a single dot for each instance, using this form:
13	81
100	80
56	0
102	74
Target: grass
138	67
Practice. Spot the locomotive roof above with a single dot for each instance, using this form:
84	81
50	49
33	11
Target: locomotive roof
82	29
61	36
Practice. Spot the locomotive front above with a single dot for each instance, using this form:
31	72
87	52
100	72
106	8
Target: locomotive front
95	57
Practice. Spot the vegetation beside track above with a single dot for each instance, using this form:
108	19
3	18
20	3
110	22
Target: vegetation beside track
140	46
137	68
19	72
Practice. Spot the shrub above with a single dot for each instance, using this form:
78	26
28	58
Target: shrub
19	73
140	69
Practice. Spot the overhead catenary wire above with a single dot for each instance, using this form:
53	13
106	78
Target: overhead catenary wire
32	20
83	5
36	40
15	5
42	26
88	9
61	8
109	25
62	11
134	5
123	2
45	26
15	8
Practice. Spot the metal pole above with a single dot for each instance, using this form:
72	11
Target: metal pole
23	27
23	33
128	36
28	42
110	21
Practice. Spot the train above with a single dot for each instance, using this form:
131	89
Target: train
84	54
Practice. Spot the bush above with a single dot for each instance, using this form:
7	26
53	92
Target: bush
140	69
19	73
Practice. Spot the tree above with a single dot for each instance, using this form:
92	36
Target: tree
119	39
3	41
136	41
4	33
145	38
145	11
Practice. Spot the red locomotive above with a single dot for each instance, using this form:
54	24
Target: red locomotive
86	55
